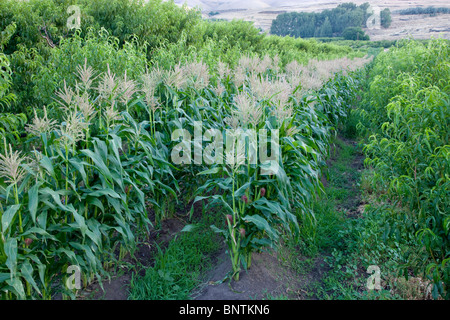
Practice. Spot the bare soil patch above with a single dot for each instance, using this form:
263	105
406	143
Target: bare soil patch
268	278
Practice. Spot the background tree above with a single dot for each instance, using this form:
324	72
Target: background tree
385	17
354	33
326	30
327	23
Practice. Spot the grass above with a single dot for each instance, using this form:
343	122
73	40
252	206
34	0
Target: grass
268	296
179	268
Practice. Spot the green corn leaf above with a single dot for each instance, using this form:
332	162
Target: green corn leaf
69	253
27	273
95	202
262	242
270	207
166	187
214	170
117	173
104	192
140	194
17	285
88	251
8	217
42	220
217	230
11	252
94	232
56	196
241	191
79	167
41	269
101	148
33	201
79	220
216	198
4	277
262	224
46	163
99	164
124	230
116	204
42	232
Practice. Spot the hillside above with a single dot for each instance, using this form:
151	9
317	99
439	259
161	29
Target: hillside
262	12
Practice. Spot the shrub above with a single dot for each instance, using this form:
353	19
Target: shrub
407	110
323	24
354	33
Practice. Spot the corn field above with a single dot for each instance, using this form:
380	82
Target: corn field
91	178
87	175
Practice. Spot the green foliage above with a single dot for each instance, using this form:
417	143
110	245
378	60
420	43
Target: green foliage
155	21
368	241
354	33
407	110
12	127
25	62
378	235
99	49
153	24
301	50
325	30
428	10
385	18
324	24
294	24
235	32
6	35
6	97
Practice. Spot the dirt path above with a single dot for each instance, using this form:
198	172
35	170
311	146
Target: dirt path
270	276
352	205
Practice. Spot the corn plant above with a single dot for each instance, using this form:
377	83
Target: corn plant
100	163
256	206
82	192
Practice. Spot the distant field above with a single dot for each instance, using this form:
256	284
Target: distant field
262	12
